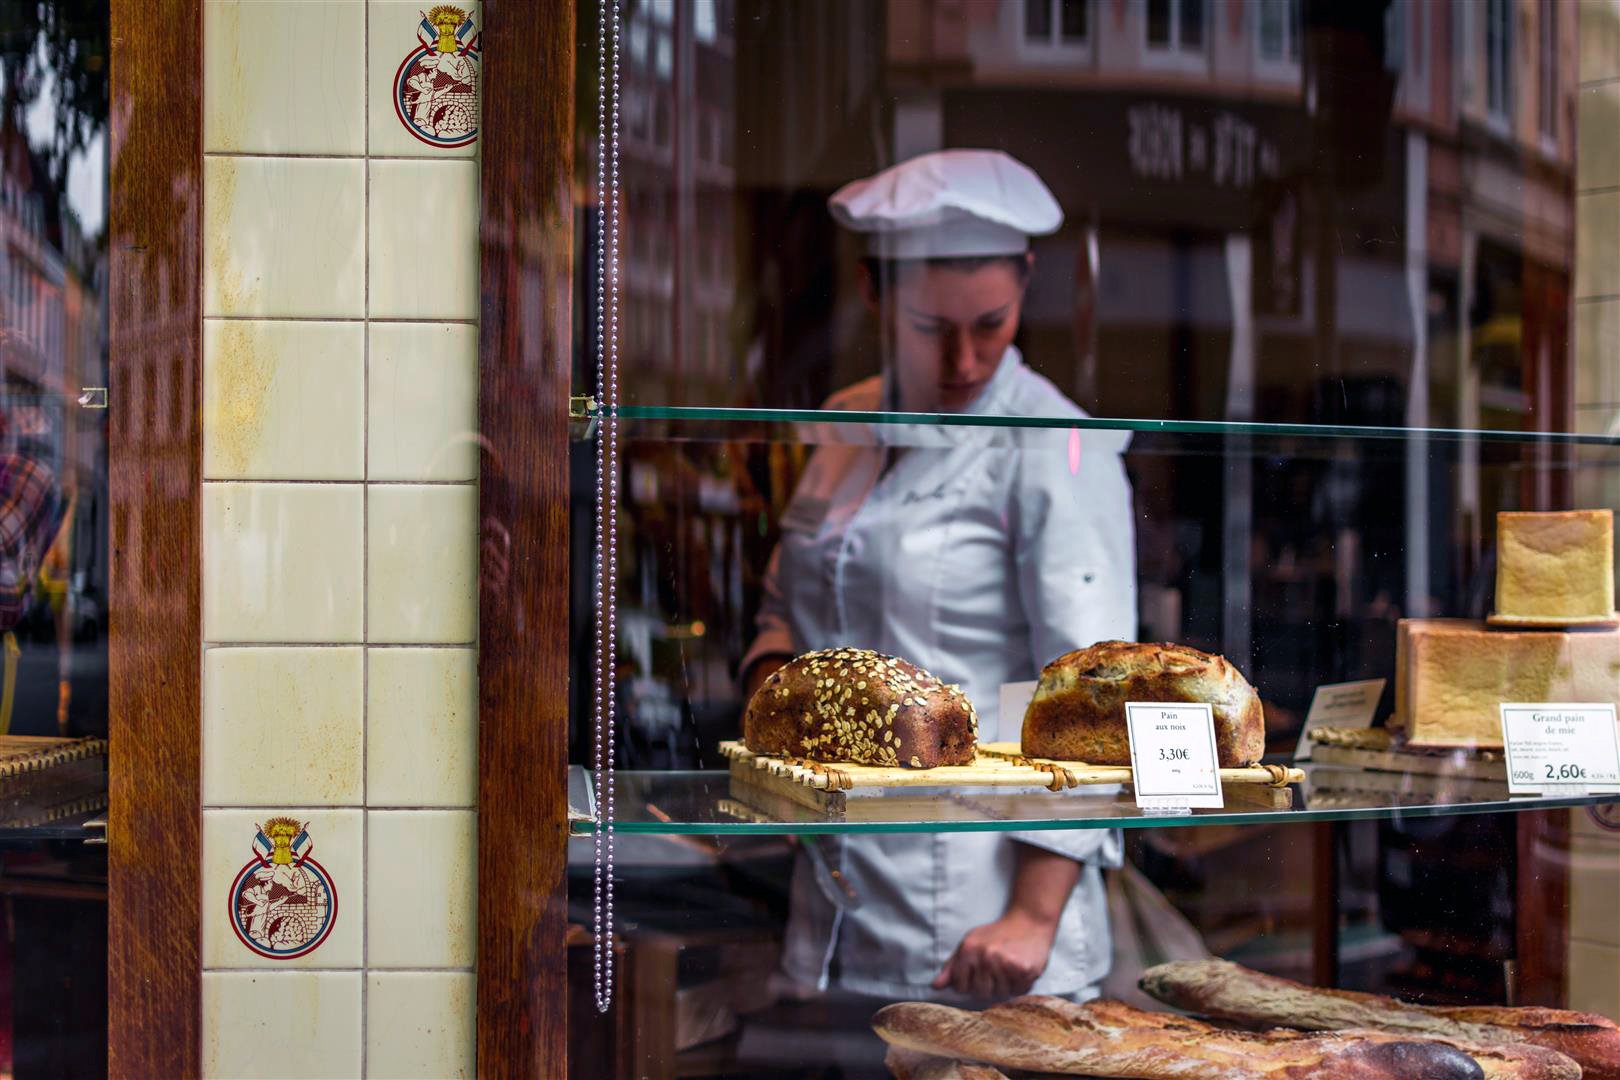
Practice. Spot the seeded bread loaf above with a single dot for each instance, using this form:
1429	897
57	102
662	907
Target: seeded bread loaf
859	706
1078	712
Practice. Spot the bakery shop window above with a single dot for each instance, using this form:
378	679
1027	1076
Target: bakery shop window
970	400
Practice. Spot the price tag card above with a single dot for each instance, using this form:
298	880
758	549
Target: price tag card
1558	748
1173	755
1339	705
1013	699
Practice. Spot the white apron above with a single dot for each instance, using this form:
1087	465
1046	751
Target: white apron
980	555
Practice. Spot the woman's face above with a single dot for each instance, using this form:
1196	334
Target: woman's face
948	327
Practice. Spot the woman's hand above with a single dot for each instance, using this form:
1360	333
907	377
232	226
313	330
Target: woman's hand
1004	958
1000	959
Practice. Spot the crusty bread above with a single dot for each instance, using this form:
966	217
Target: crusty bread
1109	1038
1078	712
1227	991
906	1065
863	707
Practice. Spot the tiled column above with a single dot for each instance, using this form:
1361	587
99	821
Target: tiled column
1594	877
340	547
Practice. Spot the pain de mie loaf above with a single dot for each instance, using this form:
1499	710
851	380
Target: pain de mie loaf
1555	567
859	706
1078	711
1452	674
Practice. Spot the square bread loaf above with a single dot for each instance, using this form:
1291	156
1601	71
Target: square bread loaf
1452	674
1558	565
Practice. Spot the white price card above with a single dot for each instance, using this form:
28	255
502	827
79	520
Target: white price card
1339	705
1173	755
1013	699
1558	748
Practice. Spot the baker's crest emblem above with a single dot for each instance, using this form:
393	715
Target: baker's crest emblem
283	902
436	87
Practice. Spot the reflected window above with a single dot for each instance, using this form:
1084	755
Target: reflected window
1498	56
1279	31
1548	69
1176	25
1057	22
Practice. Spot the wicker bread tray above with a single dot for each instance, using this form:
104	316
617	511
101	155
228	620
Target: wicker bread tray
998	766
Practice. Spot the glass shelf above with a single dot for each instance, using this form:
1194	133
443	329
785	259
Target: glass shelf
695	803
640	414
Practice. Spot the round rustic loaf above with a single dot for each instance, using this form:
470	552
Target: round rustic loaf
860	706
1078	712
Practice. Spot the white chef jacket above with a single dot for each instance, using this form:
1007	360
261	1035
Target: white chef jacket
980	555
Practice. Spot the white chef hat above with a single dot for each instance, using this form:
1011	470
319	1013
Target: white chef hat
948	204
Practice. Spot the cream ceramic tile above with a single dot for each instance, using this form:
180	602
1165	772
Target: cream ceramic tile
1594	978
439	124
421	888
282	562
421	564
283	726
281	1025
1594	882
1600	39
1597	158
1597	342
284	237
1597	244
420	1025
334	848
423	412
422	727
307	99
283	400
423	257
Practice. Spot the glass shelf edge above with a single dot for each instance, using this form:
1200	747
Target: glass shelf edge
1095	423
581	827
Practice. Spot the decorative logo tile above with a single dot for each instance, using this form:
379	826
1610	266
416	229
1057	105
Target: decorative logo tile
436	87
283	902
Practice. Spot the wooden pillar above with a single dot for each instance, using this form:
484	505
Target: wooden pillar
524	356
154	828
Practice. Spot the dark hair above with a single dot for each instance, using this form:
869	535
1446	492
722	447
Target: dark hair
884	272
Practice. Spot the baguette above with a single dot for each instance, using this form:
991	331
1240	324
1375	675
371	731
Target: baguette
906	1065
1226	991
1109	1038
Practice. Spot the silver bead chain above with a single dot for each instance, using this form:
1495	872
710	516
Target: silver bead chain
607	480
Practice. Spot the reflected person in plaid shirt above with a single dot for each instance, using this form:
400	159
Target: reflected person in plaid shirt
31	515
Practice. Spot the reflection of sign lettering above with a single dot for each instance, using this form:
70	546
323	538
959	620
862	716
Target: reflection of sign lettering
1155	142
1229	151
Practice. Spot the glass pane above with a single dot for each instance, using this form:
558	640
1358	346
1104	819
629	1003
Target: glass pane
1038	20
1273	28
1192	24
1158	22
1074	16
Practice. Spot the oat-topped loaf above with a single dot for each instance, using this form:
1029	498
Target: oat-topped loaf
1078	712
863	707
